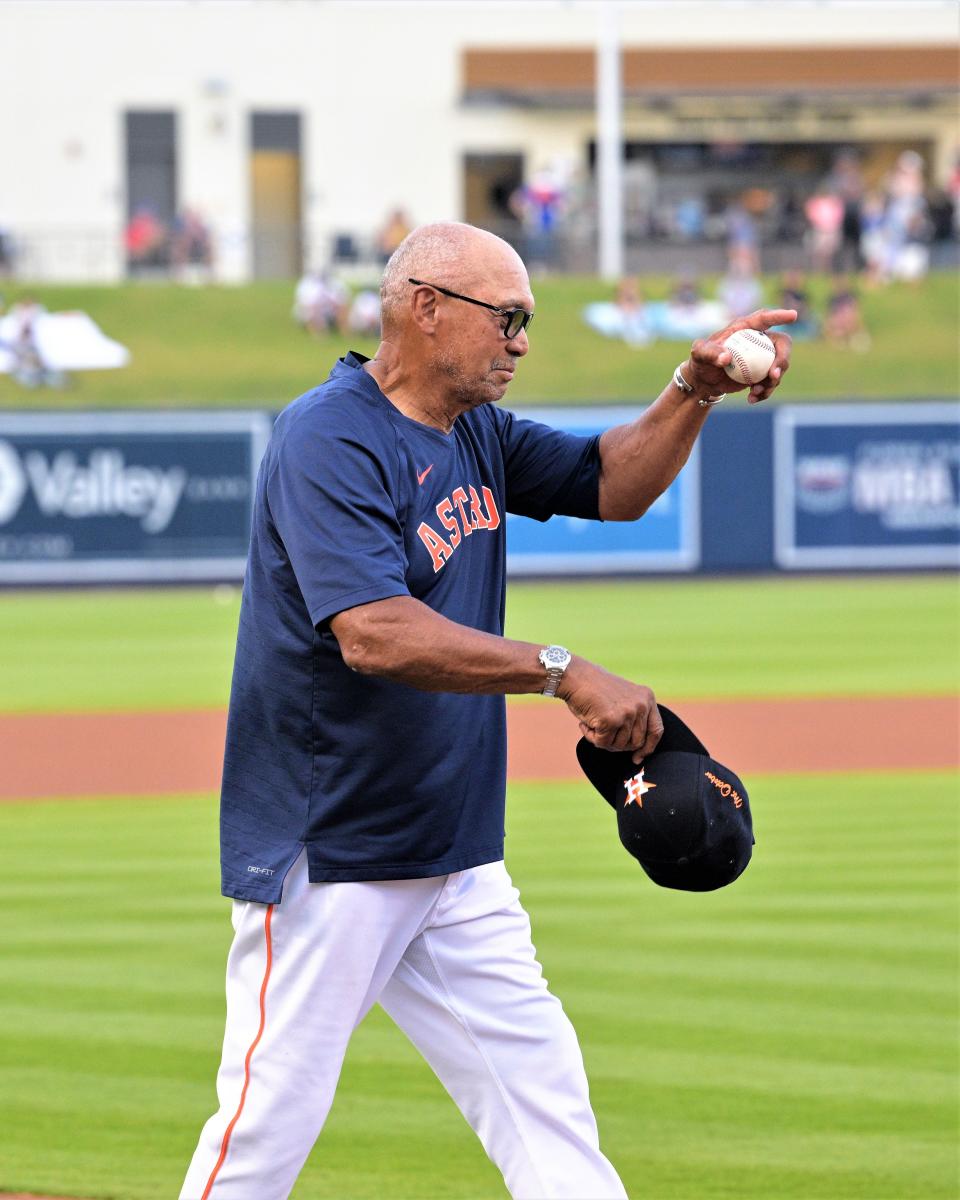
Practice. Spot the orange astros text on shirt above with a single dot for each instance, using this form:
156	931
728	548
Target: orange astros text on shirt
461	515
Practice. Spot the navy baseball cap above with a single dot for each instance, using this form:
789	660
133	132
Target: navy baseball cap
682	815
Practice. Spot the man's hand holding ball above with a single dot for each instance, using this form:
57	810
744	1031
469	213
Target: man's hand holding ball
744	353
753	356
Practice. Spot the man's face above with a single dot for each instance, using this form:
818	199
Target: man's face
473	354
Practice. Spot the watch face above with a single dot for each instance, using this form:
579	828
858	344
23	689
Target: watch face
556	656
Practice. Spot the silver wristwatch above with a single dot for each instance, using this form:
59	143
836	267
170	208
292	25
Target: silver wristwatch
555	660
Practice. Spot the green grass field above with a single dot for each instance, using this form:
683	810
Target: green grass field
238	346
113	650
793	1036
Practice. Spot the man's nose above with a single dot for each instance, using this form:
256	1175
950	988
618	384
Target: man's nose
519	345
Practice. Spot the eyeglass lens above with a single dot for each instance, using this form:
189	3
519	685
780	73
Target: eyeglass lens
517	319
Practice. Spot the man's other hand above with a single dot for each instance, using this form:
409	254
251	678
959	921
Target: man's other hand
614	713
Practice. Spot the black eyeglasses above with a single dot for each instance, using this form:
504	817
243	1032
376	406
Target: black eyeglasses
514	319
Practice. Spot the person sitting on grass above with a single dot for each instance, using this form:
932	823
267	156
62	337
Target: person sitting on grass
844	324
794	295
626	317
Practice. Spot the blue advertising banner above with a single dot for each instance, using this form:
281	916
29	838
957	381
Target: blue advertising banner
109	497
667	538
867	486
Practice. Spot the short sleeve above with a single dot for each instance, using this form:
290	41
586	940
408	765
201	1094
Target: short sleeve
329	500
549	472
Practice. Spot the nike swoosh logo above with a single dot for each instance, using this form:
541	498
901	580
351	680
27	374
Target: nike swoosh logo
421	476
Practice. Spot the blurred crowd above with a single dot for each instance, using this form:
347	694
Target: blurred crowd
884	232
855	235
689	313
183	248
859	229
859	219
324	303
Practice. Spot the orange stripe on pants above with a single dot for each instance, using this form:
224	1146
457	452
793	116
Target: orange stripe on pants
225	1145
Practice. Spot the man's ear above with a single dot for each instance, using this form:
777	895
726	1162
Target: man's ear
425	309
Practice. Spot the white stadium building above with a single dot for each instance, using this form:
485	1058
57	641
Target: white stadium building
294	127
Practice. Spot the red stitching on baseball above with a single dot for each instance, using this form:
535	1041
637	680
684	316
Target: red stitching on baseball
741	364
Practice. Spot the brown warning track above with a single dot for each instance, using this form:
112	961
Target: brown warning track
159	753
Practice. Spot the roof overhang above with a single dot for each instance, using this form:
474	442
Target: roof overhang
656	76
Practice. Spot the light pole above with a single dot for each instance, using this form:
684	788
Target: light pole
609	108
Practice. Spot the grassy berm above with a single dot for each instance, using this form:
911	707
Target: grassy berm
238	346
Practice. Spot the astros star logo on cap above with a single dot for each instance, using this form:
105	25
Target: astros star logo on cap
637	787
692	836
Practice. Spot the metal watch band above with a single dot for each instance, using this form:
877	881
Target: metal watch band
554	675
554	660
682	386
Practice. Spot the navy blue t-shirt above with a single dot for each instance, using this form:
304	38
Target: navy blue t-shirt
356	502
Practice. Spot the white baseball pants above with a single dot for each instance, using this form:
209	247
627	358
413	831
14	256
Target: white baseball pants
451	961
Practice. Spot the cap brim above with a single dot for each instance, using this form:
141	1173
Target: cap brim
607	769
677	736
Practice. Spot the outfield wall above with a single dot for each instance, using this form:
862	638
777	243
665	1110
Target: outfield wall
165	497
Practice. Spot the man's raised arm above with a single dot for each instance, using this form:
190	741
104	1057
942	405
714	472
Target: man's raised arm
639	461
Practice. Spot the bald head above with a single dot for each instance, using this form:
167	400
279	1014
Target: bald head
441	355
449	253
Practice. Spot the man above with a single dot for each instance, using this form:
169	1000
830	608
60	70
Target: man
363	790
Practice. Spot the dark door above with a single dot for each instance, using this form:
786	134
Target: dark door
151	178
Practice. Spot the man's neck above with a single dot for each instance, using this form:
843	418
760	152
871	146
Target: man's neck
408	393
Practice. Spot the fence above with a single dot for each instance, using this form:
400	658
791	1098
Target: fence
98	255
111	497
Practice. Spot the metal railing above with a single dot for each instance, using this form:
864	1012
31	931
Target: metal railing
98	255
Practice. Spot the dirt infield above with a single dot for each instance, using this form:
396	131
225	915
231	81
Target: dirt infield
140	754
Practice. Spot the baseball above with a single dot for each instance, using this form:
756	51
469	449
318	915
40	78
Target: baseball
753	355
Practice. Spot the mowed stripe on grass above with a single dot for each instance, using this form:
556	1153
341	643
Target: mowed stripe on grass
123	651
792	1036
